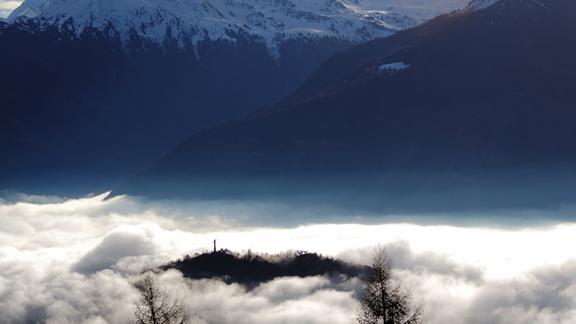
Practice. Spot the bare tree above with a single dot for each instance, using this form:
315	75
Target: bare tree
154	306
384	302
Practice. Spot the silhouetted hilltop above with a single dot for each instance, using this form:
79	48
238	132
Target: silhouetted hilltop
250	269
471	111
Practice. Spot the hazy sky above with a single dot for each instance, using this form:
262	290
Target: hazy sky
74	261
6	7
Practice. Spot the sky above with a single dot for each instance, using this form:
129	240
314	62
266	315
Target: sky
6	7
75	261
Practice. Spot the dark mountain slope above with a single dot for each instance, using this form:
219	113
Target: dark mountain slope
81	108
481	118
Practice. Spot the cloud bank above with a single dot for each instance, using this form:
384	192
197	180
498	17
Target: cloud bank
75	261
7	6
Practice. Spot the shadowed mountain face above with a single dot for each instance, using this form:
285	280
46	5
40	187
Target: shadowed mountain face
92	89
87	110
471	110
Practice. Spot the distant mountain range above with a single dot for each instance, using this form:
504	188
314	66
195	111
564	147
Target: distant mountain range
93	89
471	110
187	23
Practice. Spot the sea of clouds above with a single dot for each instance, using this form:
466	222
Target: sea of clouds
75	261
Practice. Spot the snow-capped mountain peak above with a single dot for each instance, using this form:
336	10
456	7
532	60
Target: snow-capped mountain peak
194	20
191	21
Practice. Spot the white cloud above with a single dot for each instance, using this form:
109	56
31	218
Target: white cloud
7	6
284	300
120	243
74	261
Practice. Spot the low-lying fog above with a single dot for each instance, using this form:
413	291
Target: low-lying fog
75	261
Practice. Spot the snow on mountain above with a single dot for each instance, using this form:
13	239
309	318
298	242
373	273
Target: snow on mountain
417	9
269	21
394	67
481	4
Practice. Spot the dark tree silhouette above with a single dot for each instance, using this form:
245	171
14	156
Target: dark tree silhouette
384	302
155	307
251	269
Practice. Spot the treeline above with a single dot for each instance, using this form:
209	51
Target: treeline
251	269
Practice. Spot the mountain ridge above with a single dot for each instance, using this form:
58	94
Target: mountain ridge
480	111
189	22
